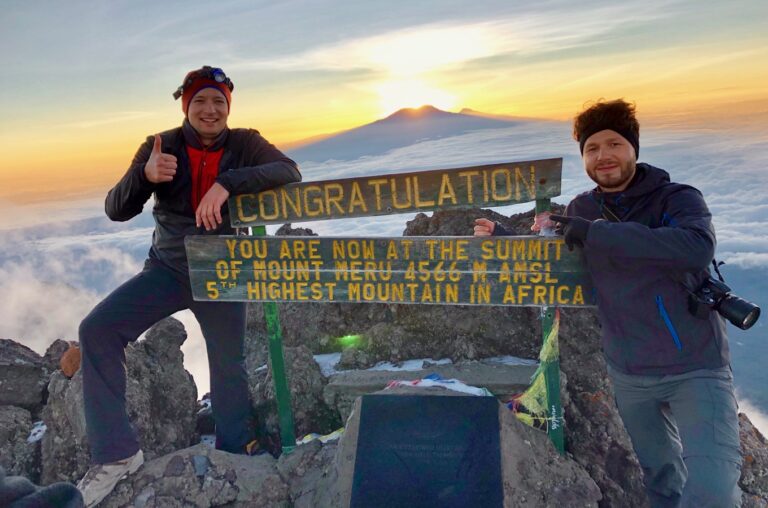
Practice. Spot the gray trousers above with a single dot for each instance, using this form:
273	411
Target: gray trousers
685	431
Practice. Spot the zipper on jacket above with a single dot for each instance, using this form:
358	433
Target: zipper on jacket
200	172
668	322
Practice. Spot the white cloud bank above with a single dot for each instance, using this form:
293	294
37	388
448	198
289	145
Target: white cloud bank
52	283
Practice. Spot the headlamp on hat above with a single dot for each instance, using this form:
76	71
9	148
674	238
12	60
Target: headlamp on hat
205	77
206	72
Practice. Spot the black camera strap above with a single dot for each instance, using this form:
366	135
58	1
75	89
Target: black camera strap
608	214
716	264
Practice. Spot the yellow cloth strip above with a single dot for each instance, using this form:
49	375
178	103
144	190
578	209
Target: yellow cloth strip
534	399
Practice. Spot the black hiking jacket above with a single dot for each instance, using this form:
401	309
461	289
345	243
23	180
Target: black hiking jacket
249	164
643	268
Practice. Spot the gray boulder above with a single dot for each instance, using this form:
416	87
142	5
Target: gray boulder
754	472
52	356
288	230
309	473
594	432
162	403
306	383
65	453
461	222
394	332
17	456
163	395
201	476
21	376
354	358
533	473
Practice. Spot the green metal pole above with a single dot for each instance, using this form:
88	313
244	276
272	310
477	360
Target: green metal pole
543	205
276	358
551	366
552	382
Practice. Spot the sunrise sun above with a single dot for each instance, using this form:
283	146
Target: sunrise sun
412	93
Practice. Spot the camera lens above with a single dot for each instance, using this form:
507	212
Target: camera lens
738	311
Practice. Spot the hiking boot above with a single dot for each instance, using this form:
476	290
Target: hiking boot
101	479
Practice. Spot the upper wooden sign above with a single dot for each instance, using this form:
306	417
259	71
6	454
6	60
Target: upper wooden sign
443	189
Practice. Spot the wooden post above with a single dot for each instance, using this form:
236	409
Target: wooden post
276	357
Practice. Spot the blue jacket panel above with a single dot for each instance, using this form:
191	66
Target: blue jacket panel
643	268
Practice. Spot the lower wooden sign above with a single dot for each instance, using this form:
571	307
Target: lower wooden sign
512	270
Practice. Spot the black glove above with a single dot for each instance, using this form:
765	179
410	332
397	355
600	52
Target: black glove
499	230
574	229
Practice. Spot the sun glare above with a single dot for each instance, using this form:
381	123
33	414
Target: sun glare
412	93
412	52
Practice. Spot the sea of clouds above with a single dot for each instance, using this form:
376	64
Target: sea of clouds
51	275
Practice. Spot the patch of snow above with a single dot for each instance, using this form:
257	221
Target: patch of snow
410	365
510	360
327	363
208	440
37	432
333	436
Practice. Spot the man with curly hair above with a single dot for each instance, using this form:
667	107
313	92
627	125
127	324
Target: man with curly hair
648	242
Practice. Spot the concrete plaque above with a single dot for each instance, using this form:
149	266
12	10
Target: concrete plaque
427	451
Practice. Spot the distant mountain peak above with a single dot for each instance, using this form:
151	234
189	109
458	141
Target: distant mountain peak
420	112
402	128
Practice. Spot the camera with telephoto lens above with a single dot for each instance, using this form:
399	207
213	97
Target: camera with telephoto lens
715	294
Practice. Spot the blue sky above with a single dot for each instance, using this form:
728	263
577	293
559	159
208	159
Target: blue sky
86	81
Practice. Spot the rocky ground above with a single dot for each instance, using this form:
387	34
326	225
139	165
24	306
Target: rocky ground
598	469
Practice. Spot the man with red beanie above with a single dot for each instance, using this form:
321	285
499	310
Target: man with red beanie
191	170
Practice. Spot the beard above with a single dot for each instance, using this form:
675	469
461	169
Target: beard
614	181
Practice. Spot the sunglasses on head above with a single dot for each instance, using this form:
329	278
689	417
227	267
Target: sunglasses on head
207	72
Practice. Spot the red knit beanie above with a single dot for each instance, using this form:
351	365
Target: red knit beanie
200	84
205	77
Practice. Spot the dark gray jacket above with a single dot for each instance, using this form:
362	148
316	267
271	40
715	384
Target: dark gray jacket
249	164
641	267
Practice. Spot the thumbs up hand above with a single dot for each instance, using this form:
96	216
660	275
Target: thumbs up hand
161	166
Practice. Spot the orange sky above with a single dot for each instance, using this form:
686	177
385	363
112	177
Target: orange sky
87	101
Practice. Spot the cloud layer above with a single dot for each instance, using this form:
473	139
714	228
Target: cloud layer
53	276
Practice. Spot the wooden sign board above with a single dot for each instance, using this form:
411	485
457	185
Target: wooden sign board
444	189
509	270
